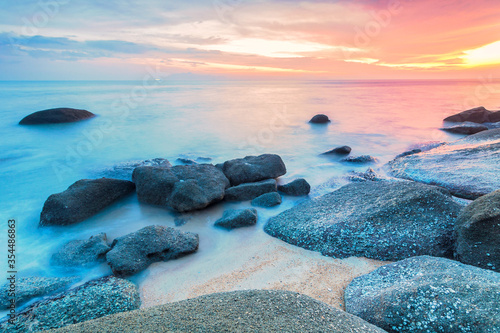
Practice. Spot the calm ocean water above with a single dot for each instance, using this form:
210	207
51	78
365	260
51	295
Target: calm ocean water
217	120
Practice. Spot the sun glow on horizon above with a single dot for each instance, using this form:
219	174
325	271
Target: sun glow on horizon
485	55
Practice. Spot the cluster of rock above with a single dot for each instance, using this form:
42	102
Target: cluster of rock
473	121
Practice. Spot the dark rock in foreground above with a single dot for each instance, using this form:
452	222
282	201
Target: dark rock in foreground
134	252
182	188
465	129
56	116
31	287
82	253
477	233
427	294
380	220
124	170
237	218
319	119
343	150
82	200
468	167
269	311
249	191
270	199
476	115
92	300
297	187
253	168
360	159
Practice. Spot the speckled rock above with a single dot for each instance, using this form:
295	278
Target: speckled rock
253	168
124	170
320	119
249	191
297	187
82	253
380	220
476	115
267	200
360	159
82	200
468	167
465	128
237	218
269	311
91	300
30	287
477	233
368	175
56	116
427	294
136	251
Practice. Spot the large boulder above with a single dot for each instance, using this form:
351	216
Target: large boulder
82	200
297	187
124	170
466	128
427	294
249	191
379	220
468	167
182	188
270	199
253	168
476	115
94	299
320	119
82	253
269	311
237	218
56	116
28	288
134	252
477	233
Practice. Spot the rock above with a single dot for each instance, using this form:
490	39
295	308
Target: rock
250	191
56	116
379	220
134	252
409	152
82	253
319	119
269	311
125	170
427	294
477	233
420	147
94	299
466	128
237	218
298	187
468	167
185	161
82	200
30	287
476	115
253	168
182	188
360	159
343	150
368	175
270	199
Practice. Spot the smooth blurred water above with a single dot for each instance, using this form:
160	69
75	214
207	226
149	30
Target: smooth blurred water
219	120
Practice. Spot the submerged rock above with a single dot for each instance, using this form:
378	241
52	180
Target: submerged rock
476	115
182	188
30	287
468	167
56	116
297	187
94	299
379	220
477	233
343	150
270	199
269	311
82	253
82	200
237	218
249	191
427	294
368	175
465	128
134	252
253	168
360	159
124	170
319	119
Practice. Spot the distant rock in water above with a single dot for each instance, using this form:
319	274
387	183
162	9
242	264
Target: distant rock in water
253	168
360	159
466	128
249	191
269	311
237	218
319	119
379	220
477	115
270	199
82	253
94	299
468	167
82	200
297	187
185	161
427	294
477	233
343	150
56	116
134	252
124	170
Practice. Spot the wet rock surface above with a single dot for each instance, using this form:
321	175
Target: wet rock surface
360	159
342	150
320	119
253	168
267	200
249	191
56	116
466	128
82	253
124	170
237	218
297	187
476	115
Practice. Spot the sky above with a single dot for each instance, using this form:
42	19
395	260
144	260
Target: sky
243	39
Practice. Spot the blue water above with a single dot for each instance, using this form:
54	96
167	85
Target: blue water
218	120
